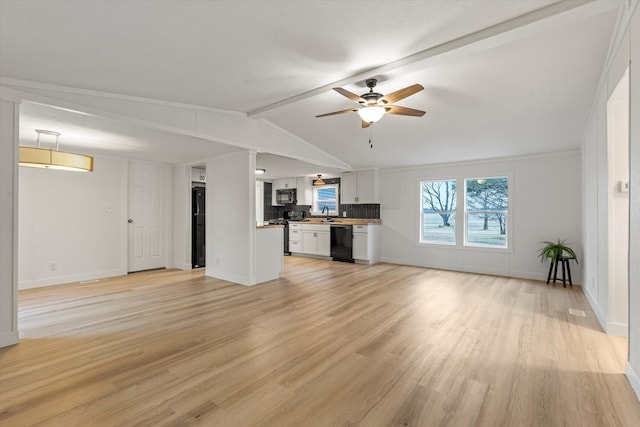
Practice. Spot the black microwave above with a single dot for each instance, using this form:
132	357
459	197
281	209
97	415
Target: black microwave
286	196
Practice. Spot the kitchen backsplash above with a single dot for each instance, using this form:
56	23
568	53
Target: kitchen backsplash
353	211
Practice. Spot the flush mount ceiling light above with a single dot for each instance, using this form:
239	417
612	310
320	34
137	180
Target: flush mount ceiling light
318	181
36	157
260	171
481	181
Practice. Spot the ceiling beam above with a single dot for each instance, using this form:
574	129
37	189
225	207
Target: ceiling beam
495	35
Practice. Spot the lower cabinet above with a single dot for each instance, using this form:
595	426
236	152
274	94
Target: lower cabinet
360	250
316	242
312	239
366	243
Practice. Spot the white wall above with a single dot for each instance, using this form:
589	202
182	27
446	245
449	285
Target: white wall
545	206
181	224
618	215
9	117
633	368
75	220
596	195
231	225
596	185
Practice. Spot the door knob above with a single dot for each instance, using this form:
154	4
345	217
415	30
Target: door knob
130	221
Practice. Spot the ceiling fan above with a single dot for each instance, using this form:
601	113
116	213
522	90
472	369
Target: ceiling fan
374	105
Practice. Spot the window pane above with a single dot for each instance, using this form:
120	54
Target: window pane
438	200
487	194
486	206
325	196
435	232
487	229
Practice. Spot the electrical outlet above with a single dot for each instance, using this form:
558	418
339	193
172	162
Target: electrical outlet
53	266
344	214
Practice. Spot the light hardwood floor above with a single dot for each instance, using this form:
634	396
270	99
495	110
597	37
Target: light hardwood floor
327	344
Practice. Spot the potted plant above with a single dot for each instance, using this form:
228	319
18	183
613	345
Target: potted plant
553	251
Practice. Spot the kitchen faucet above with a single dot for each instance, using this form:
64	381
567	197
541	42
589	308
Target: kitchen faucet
325	207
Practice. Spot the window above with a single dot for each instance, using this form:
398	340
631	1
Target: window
325	196
438	214
481	221
486	208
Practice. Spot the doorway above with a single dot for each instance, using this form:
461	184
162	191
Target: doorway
198	216
618	208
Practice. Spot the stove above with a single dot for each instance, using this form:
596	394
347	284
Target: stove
285	232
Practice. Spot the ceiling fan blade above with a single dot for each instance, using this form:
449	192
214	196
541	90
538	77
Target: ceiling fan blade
352	96
365	124
400	94
350	110
403	111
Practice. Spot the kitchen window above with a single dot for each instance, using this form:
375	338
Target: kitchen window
325	196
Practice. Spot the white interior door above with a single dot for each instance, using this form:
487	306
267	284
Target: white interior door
146	232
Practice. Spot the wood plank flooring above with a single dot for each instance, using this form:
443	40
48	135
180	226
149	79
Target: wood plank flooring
328	344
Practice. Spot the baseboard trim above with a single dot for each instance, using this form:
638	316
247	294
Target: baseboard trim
474	270
618	329
596	309
72	278
8	338
633	380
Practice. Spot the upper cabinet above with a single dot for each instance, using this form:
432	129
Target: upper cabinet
304	193
284	184
359	187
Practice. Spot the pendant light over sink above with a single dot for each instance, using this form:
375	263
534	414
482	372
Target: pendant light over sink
47	158
318	181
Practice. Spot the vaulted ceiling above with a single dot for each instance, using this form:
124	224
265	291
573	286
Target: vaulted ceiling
502	77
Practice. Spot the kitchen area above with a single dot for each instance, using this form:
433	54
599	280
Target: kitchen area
327	216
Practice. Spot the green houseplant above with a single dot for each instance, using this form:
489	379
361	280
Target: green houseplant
555	250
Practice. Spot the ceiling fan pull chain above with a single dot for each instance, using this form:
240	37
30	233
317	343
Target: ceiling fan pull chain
370	137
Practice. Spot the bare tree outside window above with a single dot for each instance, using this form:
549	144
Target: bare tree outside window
438	211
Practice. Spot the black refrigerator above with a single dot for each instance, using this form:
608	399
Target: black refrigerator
197	227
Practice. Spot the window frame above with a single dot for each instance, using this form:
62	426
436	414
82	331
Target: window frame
466	214
461	214
314	199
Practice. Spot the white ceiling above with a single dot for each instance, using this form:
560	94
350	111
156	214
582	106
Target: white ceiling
521	95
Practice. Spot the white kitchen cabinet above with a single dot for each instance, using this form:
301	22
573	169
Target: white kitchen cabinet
366	243
359	187
295	238
360	251
304	188
316	239
281	184
284	184
324	243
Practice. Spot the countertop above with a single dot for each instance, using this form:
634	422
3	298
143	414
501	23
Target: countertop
336	220
258	227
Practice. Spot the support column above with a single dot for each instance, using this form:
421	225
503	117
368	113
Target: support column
9	117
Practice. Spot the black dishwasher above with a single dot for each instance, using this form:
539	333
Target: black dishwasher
342	242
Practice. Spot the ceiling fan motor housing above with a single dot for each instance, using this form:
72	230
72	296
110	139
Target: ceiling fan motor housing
371	98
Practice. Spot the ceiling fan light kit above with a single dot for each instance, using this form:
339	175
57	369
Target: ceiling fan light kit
47	158
371	114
